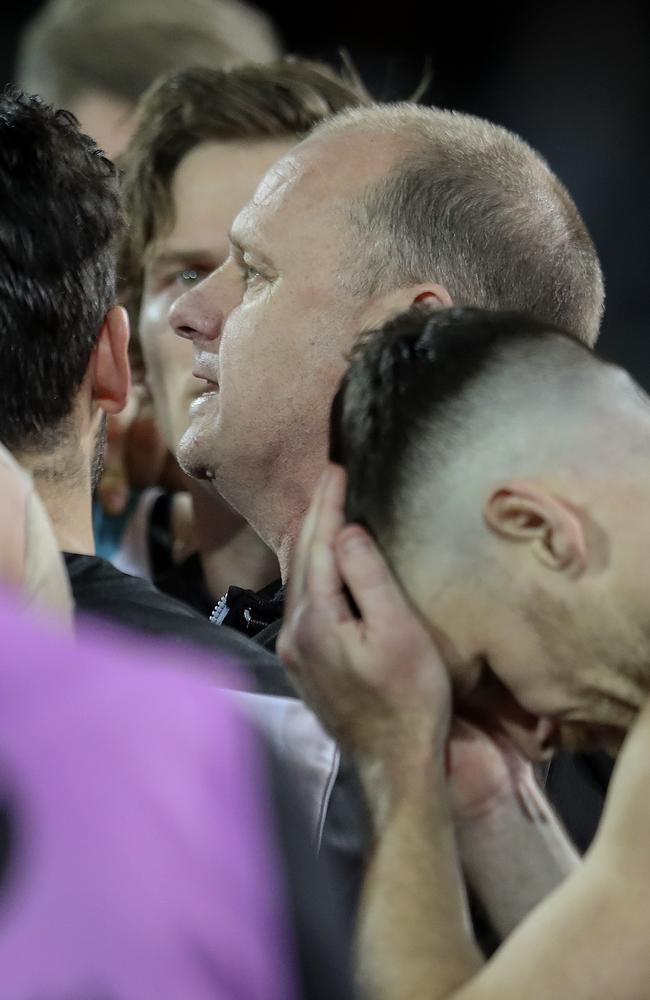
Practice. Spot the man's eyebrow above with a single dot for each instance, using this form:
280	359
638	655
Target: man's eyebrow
247	248
181	257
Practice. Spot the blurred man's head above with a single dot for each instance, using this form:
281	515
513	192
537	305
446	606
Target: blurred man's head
379	208
505	471
96	57
205	139
62	340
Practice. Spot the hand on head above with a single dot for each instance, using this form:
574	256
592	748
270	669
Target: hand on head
377	680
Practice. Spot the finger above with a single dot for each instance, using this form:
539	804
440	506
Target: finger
365	572
315	600
299	567
324	582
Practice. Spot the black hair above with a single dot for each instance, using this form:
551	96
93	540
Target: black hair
405	380
59	220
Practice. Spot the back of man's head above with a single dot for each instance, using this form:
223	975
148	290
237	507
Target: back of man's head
472	207
505	470
60	215
75	47
438	407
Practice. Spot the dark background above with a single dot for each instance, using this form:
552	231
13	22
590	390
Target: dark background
573	79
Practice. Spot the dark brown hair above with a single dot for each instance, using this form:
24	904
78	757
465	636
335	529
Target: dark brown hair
181	111
60	210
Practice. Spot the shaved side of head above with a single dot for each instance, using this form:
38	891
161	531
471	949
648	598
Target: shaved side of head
437	407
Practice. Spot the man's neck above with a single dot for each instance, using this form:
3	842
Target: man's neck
66	495
276	508
229	550
286	548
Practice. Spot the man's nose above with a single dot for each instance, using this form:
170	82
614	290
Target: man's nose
198	314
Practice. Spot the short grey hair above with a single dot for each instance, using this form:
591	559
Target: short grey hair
474	208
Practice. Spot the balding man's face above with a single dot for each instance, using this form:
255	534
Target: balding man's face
272	329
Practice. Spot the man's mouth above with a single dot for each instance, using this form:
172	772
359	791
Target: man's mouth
208	384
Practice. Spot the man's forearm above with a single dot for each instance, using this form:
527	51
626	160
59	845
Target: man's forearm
414	937
514	856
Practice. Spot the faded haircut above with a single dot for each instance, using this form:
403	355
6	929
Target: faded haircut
284	99
472	207
404	406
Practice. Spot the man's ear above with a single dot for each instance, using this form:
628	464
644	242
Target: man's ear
400	300
525	512
112	374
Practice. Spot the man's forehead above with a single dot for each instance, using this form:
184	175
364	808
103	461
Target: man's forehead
320	175
282	176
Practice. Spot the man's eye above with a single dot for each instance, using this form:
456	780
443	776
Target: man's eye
251	274
190	276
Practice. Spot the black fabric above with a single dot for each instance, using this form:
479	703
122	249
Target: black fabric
576	786
160	537
251	613
101	590
186	582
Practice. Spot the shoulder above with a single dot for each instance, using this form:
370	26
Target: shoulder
102	590
625	829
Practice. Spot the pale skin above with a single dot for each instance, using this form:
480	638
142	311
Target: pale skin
208	187
272	327
394	713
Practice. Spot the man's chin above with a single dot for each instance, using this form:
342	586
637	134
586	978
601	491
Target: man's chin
191	457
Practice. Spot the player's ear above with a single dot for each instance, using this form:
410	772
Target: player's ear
111	376
527	514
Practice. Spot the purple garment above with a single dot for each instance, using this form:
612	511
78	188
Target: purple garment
142	863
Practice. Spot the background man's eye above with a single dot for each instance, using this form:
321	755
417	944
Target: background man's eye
189	276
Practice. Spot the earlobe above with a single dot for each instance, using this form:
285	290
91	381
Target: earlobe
112	373
524	512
